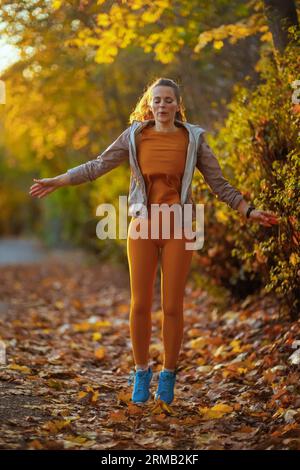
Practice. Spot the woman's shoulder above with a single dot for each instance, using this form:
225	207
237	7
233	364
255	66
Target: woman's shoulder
193	126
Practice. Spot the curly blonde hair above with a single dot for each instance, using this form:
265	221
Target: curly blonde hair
142	111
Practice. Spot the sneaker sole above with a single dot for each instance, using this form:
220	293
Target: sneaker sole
142	402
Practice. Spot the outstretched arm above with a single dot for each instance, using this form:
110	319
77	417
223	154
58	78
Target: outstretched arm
113	156
265	218
44	186
209	166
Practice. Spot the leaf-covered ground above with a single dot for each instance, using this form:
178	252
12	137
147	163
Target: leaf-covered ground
64	386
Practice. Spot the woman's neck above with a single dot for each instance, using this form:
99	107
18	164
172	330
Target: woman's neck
165	127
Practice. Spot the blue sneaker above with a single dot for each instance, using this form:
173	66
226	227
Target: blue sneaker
142	379
166	383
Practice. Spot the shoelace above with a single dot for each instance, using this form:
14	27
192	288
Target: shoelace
132	375
131	380
165	380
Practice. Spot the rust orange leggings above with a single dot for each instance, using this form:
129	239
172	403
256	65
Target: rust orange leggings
175	260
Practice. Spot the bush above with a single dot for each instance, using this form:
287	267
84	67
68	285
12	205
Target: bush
259	150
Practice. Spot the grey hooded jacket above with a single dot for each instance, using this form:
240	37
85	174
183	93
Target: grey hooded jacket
199	154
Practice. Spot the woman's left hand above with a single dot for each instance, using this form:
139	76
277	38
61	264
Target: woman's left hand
264	217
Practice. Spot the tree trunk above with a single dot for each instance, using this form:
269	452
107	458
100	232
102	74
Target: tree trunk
281	14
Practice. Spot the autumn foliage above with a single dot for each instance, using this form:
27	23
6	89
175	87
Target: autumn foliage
260	152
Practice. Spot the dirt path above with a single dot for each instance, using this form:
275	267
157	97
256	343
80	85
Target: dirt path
66	332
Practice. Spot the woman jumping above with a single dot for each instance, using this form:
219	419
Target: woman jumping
163	150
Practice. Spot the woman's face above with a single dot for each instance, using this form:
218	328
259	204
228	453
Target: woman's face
164	104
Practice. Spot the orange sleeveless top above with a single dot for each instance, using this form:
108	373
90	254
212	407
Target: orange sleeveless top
161	157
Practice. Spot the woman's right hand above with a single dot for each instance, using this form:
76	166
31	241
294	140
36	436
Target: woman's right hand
44	186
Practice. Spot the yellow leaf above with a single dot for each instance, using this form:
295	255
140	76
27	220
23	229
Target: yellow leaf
97	336
167	408
100	324
160	406
95	396
263	28
151	16
267	37
201	361
56	4
218	44
55	426
223	408
221	216
216	411
197	343
294	259
219	351
163	3
23	369
82	326
100	353
87	326
235	344
278	413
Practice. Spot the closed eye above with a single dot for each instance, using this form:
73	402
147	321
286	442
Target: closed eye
169	101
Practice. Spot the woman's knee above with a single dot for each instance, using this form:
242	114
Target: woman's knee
172	309
140	308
